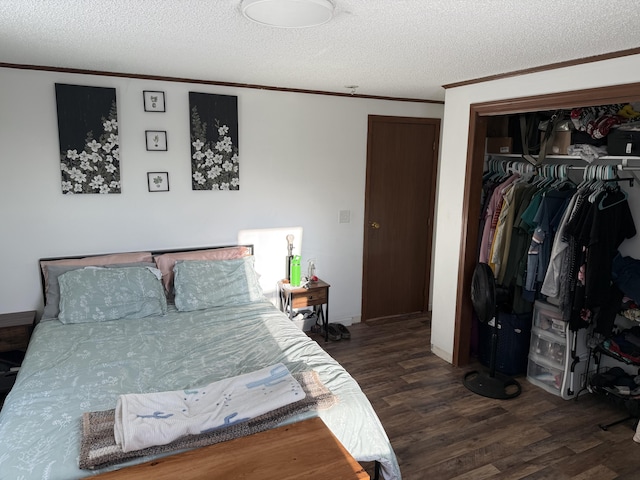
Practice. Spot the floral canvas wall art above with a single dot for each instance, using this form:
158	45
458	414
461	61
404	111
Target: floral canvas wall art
88	134
214	142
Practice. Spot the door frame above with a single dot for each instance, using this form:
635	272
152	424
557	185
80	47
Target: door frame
479	112
436	122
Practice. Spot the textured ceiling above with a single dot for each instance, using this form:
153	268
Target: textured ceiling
397	48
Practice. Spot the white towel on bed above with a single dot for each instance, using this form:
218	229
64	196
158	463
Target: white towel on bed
148	419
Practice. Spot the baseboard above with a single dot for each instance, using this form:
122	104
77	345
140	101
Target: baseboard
446	356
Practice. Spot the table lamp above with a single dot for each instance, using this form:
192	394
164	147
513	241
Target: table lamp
289	256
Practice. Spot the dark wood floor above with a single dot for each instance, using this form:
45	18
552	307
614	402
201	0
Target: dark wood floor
440	430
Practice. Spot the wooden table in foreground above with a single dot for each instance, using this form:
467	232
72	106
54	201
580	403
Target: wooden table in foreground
305	449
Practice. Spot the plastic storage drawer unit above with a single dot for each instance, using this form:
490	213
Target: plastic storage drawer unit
549	346
547	318
544	374
552	363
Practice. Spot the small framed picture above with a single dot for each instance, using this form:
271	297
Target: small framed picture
156	140
158	181
153	101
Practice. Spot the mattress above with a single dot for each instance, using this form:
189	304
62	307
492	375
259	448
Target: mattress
75	368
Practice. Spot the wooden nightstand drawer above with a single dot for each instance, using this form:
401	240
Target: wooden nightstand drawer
313	297
15	330
14	338
292	299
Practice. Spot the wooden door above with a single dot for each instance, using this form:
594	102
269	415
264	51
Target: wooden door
399	206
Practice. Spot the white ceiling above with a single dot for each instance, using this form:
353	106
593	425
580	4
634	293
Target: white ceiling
397	48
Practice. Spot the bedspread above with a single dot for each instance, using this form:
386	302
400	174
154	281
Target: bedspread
71	369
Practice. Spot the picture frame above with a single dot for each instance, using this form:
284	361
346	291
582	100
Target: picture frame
153	101
158	181
156	140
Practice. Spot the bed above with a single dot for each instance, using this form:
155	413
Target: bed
212	327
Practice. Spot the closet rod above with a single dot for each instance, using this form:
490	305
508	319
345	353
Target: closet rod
621	168
618	167
630	180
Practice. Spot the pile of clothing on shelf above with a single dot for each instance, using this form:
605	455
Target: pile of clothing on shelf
618	382
624	345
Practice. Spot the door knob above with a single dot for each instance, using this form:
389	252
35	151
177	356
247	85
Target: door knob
375	225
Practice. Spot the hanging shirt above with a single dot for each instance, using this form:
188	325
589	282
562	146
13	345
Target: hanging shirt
491	219
500	235
612	224
552	279
573	258
488	187
520	238
500	255
547	219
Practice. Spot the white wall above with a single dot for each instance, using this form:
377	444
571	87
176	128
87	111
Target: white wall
302	160
453	163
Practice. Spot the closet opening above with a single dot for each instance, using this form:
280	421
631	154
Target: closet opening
470	235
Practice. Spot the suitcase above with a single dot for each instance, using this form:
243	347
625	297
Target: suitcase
514	337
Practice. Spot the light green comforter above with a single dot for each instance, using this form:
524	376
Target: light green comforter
71	369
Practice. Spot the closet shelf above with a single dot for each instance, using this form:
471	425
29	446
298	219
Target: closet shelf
605	351
567	157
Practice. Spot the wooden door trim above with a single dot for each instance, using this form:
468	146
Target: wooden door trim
473	184
432	198
432	210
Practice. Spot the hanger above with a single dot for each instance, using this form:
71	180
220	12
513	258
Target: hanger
499	173
611	176
549	176
625	195
598	186
587	177
528	171
542	176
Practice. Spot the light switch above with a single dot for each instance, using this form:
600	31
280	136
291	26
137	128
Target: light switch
345	216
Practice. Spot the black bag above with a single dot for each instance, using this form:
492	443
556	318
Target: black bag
623	142
529	138
579	137
523	129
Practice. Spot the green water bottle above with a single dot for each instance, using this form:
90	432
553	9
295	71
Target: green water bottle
295	271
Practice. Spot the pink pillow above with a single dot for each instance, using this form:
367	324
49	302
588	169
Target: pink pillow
112	259
167	261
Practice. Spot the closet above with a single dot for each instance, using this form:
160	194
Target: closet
470	237
575	292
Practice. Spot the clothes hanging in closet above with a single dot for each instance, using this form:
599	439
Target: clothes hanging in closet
547	220
491	217
506	232
601	221
547	237
502	242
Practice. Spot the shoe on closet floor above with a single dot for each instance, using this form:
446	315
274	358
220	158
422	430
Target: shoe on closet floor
344	331
334	333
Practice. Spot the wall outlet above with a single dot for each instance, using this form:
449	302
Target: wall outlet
345	216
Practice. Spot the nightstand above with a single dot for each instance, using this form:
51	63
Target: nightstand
15	332
315	294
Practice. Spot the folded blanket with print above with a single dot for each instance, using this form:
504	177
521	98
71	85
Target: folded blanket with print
99	448
148	419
